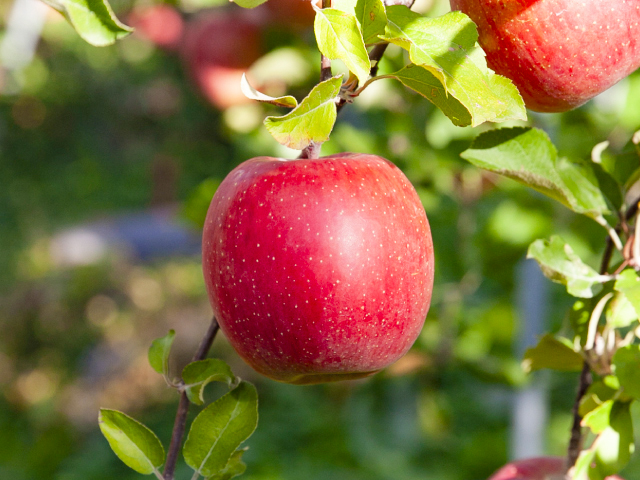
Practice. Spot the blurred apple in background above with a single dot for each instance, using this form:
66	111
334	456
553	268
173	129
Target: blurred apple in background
293	13
540	468
161	24
219	45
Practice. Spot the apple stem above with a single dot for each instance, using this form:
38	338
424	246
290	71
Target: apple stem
312	151
183	406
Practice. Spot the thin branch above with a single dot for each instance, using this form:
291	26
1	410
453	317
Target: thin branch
183	406
575	442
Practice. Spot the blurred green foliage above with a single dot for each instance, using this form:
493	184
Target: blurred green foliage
89	134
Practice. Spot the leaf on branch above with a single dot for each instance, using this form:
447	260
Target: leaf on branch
620	312
447	48
94	20
372	17
615	443
199	374
554	353
612	448
311	121
421	81
136	445
339	37
626	362
528	156
159	353
250	3
561	265
598	393
598	418
286	101
235	466
628	283
346	6
220	428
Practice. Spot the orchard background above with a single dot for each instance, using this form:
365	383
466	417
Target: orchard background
109	157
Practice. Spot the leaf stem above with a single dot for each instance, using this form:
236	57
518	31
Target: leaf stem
312	150
183	405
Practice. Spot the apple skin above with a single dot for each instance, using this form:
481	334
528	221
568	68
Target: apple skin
161	24
219	45
540	468
318	270
559	53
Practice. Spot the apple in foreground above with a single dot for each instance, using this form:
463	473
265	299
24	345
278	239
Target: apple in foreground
540	468
318	269
559	53
219	45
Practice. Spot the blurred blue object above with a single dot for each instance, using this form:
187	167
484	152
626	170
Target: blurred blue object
142	236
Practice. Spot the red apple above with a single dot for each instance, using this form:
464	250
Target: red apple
559	53
296	13
161	24
318	270
218	47
541	468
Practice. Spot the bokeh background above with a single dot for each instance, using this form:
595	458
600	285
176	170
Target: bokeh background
108	159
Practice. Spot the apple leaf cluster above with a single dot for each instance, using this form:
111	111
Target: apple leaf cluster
603	327
212	445
446	67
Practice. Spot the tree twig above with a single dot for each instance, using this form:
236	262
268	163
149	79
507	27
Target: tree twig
183	406
575	442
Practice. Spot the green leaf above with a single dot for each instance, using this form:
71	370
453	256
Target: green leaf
554	353
220	428
197	375
579	317
620	312
235	466
528	156
94	20
311	121
136	445
583	465
624	167
339	37
159	353
598	418
597	393
628	283
372	16
609	187
250	3
581	182
197	203
626	362
286	101
561	265
446	46
615	444
346	6
421	81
